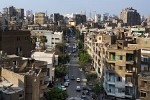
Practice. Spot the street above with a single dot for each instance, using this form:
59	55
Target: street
74	70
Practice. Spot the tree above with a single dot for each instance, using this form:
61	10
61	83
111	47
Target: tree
60	48
63	59
60	71
91	76
56	94
84	58
98	87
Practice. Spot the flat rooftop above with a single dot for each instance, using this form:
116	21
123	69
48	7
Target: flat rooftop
8	88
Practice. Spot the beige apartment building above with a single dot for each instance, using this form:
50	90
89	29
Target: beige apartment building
130	17
144	75
116	61
22	78
39	18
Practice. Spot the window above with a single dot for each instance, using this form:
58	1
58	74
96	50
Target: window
56	38
142	94
52	42
52	38
128	79
120	57
119	79
145	68
145	42
41	82
99	38
99	70
120	67
121	90
26	38
18	38
20	95
145	59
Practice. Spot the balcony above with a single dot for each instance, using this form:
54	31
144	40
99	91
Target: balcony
128	92
111	80
129	59
129	69
129	84
111	68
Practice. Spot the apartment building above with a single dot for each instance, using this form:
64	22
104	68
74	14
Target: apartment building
144	86
52	37
16	42
79	19
144	75
121	69
116	60
39	18
51	59
13	17
130	17
22	78
95	43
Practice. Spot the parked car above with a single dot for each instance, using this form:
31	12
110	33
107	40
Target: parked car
68	81
63	88
66	84
78	80
78	88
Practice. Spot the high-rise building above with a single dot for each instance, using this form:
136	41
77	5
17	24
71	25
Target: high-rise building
13	17
130	16
39	18
29	17
97	18
80	19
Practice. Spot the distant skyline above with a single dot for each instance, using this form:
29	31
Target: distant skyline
78	6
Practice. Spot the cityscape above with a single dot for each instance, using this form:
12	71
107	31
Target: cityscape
74	56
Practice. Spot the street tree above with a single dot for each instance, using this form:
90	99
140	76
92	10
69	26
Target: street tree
98	87
56	94
63	59
60	71
84	58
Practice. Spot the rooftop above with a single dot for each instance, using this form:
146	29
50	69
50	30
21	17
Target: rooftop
9	88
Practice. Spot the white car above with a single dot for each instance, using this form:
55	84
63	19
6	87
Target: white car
66	84
78	88
78	80
68	81
63	88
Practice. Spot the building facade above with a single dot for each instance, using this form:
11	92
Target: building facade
16	42
22	78
130	17
39	18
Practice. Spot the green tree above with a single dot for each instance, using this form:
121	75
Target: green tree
98	87
60	71
60	48
91	76
56	94
63	59
84	58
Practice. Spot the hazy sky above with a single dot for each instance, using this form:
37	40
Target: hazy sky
76	6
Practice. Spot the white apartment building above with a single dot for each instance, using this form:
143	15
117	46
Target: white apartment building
52	37
50	59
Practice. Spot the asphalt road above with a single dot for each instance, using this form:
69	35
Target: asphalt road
75	70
